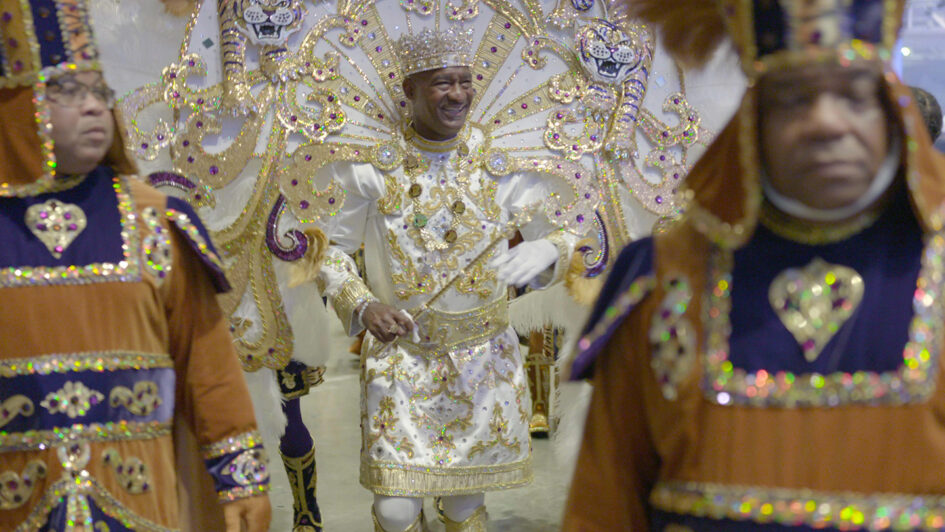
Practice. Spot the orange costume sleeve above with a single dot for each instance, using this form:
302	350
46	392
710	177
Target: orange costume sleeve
617	464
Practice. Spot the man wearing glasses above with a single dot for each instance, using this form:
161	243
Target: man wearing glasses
115	360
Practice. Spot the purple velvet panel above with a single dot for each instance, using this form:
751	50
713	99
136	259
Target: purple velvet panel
887	256
99	242
635	261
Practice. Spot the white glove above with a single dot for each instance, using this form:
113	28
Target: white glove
521	264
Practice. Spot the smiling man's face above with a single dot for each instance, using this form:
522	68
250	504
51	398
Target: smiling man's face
441	99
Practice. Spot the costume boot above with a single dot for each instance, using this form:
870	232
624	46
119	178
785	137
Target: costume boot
302	478
419	525
474	523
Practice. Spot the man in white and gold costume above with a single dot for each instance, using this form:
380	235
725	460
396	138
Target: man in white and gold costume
445	405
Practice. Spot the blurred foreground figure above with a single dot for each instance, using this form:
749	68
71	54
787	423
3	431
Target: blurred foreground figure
770	361
111	334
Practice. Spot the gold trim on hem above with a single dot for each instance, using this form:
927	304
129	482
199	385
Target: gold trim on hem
813	234
402	480
791	507
240	442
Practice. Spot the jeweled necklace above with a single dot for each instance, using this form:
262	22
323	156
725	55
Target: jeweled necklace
415	164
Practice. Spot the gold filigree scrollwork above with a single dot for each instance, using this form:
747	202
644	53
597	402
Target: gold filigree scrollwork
464	11
141	401
320	116
16	488
421	7
74	399
17	405
573	147
131	472
566	87
499	428
217	169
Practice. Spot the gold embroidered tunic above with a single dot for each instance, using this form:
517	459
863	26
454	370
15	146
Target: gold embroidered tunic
446	412
104	348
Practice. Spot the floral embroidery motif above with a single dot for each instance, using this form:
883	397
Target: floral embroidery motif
250	467
74	399
141	401
55	224
815	301
672	338
18	405
500	430
156	246
131	472
16	489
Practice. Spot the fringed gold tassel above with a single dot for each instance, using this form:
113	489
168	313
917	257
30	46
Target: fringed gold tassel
584	290
179	8
306	269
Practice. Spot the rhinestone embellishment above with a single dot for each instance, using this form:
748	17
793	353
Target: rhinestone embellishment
55	224
815	301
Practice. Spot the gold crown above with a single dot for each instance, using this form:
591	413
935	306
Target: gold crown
430	50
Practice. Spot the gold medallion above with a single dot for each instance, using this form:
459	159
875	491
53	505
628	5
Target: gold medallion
815	301
55	224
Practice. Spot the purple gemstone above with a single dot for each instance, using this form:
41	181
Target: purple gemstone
190	159
493	49
73	227
308	158
214	170
185	143
303	204
364	22
7	16
659	199
199	124
41	227
199	101
580	218
293	118
331	201
160	137
295	182
44	215
144	145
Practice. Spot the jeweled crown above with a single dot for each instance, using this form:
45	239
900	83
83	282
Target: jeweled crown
430	49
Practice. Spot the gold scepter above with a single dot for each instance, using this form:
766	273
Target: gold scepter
519	219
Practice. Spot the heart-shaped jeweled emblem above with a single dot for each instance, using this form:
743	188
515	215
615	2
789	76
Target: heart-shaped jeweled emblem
815	301
55	224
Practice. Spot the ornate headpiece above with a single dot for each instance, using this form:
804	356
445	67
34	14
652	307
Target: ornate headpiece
776	33
430	50
39	39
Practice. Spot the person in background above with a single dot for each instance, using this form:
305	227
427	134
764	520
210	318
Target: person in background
773	360
113	344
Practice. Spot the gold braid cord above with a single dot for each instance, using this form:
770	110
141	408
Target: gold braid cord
268	92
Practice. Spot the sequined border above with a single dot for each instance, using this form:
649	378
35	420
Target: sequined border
127	270
794	507
913	382
93	432
183	222
105	502
91	361
395	479
240	442
242	492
